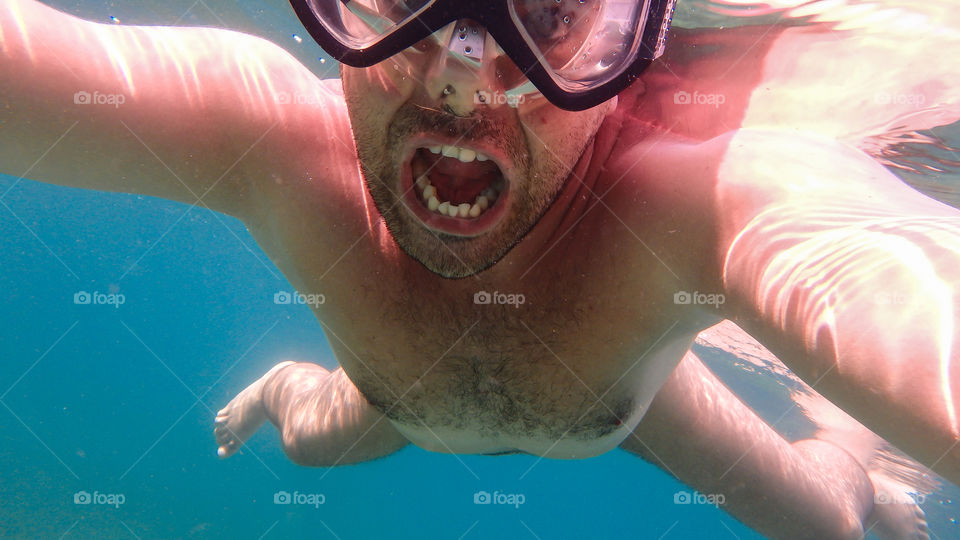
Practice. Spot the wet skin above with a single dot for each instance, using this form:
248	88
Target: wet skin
657	197
493	377
648	212
457	377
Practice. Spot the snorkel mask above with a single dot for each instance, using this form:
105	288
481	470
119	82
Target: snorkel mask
576	53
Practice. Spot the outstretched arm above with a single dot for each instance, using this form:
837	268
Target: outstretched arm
179	113
849	277
323	419
697	430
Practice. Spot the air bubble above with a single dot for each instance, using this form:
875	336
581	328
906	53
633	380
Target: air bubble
297	38
566	19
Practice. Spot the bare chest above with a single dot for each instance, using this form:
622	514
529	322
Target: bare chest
560	357
556	362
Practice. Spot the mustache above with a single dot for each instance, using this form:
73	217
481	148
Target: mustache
420	118
502	131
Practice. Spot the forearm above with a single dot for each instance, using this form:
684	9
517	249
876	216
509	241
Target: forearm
323	419
703	434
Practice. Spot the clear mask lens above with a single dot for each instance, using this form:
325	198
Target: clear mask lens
361	23
584	43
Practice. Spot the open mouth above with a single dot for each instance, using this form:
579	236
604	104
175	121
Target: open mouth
455	190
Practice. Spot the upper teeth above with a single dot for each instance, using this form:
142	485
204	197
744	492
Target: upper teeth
465	155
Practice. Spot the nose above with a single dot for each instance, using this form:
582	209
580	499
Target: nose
462	75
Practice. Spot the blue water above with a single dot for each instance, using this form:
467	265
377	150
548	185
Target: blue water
109	401
120	401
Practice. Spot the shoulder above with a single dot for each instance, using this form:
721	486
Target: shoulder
773	162
769	166
805	183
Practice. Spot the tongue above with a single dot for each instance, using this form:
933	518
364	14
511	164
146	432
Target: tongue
456	181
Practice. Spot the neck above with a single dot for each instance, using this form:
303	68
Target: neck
567	212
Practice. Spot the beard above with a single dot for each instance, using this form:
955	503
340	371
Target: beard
533	186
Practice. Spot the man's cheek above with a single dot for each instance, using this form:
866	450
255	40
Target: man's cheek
536	112
540	138
390	80
546	121
369	107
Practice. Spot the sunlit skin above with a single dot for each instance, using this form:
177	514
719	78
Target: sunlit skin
767	198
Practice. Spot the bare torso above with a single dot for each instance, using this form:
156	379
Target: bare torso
598	272
571	371
568	373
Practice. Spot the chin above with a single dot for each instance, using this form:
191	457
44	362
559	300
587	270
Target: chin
450	256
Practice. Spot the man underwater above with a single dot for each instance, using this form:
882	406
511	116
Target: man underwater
503	149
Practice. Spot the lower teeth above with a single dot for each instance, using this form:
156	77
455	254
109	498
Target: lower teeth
483	201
